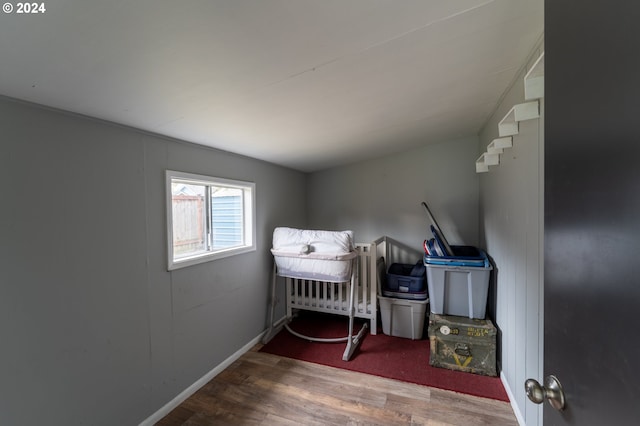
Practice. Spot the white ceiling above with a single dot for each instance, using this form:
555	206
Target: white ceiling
308	84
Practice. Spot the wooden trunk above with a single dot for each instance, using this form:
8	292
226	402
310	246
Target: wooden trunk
463	344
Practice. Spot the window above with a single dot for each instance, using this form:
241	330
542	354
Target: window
208	218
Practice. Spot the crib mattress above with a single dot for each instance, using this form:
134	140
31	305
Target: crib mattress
313	254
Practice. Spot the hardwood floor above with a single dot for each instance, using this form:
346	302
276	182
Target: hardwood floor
265	389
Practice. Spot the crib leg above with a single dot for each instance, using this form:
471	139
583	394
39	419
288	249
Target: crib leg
374	327
271	330
352	342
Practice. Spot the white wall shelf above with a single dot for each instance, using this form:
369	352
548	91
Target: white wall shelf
480	166
486	160
534	80
527	111
497	146
508	126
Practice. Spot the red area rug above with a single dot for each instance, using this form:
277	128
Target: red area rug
380	355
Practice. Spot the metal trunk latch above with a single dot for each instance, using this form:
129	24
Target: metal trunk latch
462	349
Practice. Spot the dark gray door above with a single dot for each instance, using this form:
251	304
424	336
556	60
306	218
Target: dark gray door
592	210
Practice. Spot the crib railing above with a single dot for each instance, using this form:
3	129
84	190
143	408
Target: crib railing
328	297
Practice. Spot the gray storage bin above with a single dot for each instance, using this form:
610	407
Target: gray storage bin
458	290
403	318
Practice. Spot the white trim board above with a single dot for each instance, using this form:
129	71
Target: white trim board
512	400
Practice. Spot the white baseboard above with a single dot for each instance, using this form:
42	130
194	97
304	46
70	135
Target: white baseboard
182	396
512	399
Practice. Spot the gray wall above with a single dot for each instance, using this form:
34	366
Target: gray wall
511	215
382	197
94	329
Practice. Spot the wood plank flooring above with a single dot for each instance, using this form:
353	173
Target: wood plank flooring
265	389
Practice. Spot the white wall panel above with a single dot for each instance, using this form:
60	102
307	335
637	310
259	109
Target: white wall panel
511	228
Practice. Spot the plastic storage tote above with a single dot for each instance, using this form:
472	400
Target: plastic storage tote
458	290
403	318
462	256
406	281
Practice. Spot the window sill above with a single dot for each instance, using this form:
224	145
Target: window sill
208	257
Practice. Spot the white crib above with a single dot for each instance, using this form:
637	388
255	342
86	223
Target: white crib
321	278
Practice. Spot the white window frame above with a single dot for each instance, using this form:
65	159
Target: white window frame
249	213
